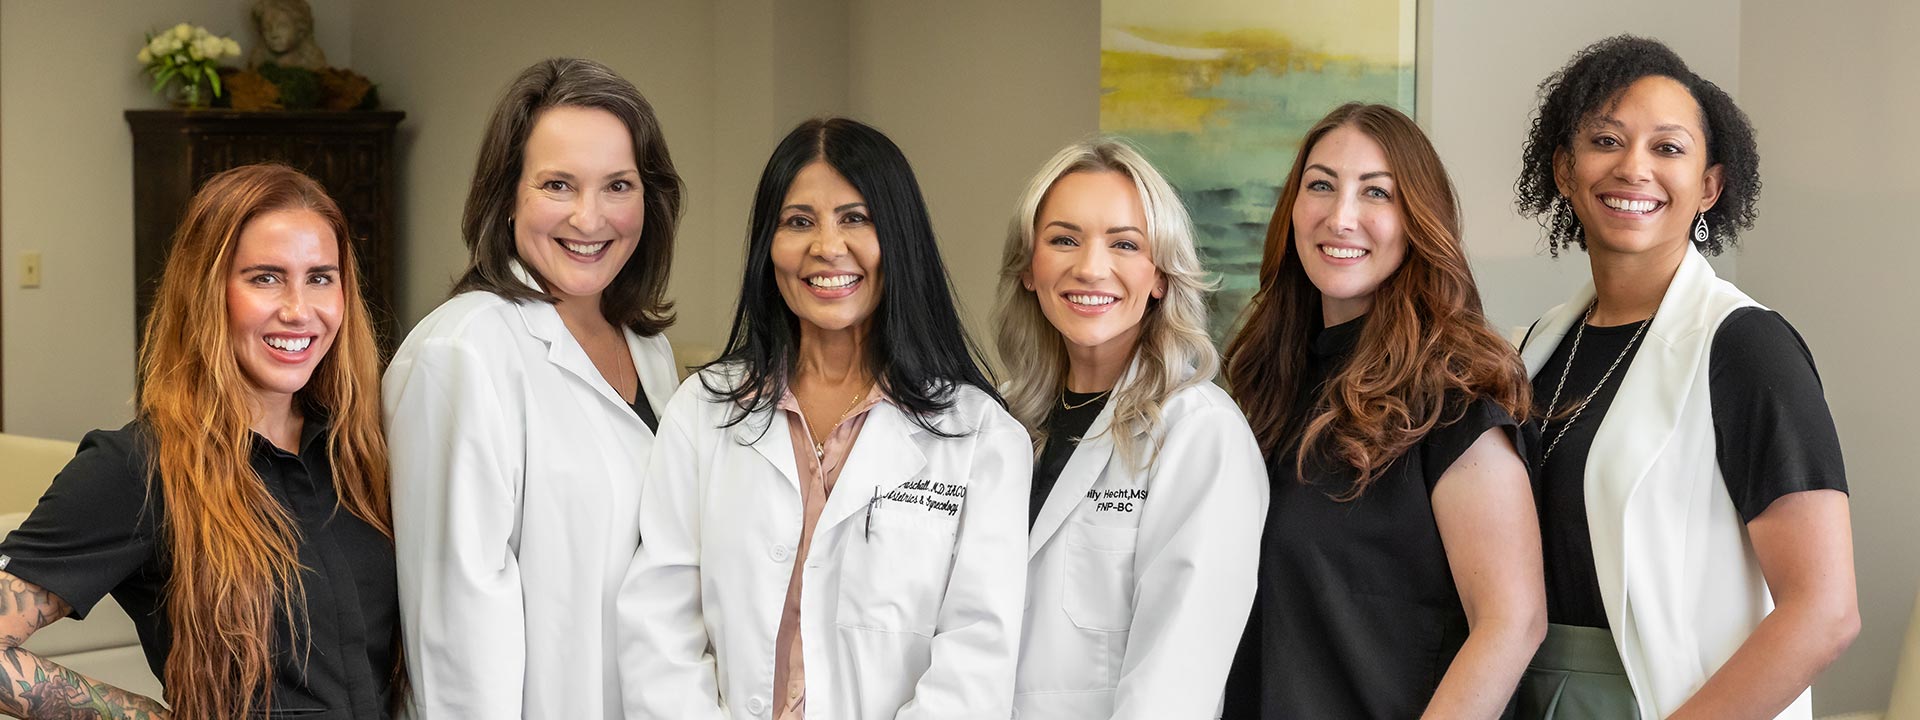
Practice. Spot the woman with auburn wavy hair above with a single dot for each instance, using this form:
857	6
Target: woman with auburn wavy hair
214	517
1148	491
1400	571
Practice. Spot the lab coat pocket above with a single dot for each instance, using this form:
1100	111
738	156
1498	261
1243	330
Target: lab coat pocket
894	577
1098	592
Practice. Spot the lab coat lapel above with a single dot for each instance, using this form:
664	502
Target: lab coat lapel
773	441
1083	469
885	456
658	376
543	321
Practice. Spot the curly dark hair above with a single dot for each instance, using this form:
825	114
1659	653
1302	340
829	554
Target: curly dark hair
1592	82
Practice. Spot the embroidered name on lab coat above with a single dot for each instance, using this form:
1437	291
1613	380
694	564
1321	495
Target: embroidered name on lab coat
933	496
1118	500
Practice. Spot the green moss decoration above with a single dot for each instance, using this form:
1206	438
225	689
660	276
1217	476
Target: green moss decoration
299	87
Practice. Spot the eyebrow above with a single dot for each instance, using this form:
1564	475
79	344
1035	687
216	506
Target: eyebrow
1609	121
263	267
1363	176
840	209
564	175
1115	230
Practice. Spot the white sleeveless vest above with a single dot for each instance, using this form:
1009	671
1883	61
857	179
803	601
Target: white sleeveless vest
1678	576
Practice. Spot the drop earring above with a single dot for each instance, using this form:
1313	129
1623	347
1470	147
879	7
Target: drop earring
1701	232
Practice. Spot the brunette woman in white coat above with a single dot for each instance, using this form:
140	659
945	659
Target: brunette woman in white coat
1149	492
1693	503
521	413
832	522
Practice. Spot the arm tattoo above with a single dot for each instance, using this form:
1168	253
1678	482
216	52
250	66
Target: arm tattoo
41	690
33	687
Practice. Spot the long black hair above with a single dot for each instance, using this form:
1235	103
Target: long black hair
918	351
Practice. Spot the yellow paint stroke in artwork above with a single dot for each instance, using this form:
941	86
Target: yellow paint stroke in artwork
1154	78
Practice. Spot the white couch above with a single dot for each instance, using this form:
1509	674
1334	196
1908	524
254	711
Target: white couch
104	646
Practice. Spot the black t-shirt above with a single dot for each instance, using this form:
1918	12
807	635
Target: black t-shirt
1356	615
1064	428
1772	433
645	411
98	531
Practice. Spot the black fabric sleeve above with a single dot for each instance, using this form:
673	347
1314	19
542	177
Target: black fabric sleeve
1773	434
90	530
1447	443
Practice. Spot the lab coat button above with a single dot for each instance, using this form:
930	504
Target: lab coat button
756	705
779	553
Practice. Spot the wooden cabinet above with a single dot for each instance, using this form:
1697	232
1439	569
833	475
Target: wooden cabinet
350	153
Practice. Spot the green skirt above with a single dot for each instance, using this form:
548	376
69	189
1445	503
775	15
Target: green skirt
1576	675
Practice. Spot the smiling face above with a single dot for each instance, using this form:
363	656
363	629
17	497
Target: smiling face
1638	171
1347	225
826	252
1092	270
284	301
579	206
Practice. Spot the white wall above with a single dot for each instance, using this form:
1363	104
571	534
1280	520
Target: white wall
1488	57
67	73
1830	88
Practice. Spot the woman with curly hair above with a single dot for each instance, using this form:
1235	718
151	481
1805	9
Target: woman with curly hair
1148	489
241	519
1400	570
1692	500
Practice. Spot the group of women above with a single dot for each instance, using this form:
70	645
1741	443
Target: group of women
1382	518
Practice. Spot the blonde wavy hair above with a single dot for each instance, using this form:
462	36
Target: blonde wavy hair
1174	351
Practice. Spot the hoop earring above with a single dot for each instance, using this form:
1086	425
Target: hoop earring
1701	232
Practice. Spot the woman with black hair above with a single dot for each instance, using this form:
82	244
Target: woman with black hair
832	517
1692	500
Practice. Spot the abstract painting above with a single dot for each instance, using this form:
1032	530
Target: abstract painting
1217	94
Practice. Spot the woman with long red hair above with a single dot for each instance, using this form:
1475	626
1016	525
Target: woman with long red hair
241	519
1400	569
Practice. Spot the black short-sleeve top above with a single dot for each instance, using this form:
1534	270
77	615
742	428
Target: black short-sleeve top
1356	615
99	530
1773	436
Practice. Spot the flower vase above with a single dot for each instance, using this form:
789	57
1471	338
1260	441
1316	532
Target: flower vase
190	96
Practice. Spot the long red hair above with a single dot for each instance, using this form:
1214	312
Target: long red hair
1426	350
232	547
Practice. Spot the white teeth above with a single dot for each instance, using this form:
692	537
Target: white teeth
1095	300
1341	252
1632	206
585	248
290	344
833	282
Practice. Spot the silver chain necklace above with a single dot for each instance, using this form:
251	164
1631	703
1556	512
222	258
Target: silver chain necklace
1553	404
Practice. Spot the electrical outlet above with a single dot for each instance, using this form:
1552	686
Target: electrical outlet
30	270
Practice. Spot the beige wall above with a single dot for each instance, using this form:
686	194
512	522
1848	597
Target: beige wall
67	72
977	94
445	63
1830	88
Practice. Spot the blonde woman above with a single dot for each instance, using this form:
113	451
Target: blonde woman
1148	491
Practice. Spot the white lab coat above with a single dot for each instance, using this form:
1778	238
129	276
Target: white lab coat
1140	581
1679	579
910	599
516	480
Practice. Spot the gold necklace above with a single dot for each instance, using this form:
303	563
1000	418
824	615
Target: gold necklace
820	448
1088	401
